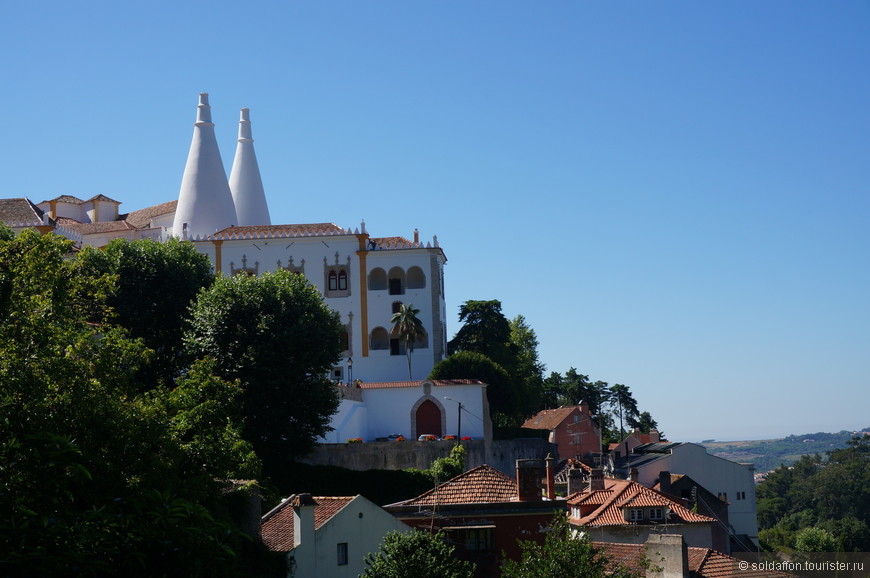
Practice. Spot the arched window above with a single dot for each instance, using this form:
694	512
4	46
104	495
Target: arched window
421	341
416	278
342	280
332	285
380	339
377	279
345	340
397	281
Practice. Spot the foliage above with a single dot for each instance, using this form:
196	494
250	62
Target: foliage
624	404
275	335
832	495
407	327
503	398
814	539
154	286
485	330
563	553
415	554
96	479
443	469
527	367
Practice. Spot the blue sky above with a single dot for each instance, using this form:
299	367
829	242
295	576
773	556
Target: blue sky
675	195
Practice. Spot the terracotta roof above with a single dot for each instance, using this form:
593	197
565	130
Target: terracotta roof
102	197
277	525
481	485
307	229
92	228
702	562
435	382
617	495
65	199
142	217
19	210
549	419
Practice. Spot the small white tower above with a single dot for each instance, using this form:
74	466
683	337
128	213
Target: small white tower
245	181
205	203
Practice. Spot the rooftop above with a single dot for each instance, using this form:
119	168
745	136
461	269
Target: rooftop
277	525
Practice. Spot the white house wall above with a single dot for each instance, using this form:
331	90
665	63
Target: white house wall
717	475
262	255
361	525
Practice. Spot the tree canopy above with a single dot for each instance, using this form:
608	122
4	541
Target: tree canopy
274	334
500	390
416	554
97	478
563	554
818	502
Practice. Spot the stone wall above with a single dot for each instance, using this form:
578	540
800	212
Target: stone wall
501	454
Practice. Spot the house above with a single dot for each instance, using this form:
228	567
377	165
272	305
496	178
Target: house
571	428
484	512
327	536
699	499
634	439
731	482
624	511
364	278
371	410
669	554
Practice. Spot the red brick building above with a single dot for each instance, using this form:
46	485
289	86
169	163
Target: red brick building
571	428
483	512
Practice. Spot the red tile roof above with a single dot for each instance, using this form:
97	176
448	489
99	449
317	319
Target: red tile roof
617	495
702	562
142	217
65	199
92	228
549	419
277	525
481	485
19	210
308	229
435	382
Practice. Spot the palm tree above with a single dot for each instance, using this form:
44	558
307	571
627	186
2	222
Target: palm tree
407	327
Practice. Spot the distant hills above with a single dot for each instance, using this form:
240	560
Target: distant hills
770	454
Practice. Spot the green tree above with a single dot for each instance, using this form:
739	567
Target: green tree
528	369
415	554
275	335
564	554
485	330
443	469
645	423
469	364
407	327
815	539
155	284
94	478
624	404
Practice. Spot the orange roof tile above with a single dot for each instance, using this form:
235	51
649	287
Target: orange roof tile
481	485
92	228
310	229
549	419
620	494
277	525
142	217
702	562
435	382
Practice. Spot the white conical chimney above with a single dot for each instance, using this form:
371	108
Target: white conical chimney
245	181
205	203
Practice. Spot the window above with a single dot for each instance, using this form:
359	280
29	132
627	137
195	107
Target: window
635	514
337	374
478	539
656	514
380	339
333	281
377	279
342	280
337	281
341	553
416	278
397	281
396	287
397	347
397	306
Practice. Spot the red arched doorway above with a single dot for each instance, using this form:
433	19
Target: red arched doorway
429	419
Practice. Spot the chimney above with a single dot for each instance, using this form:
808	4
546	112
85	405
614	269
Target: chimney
529	475
633	474
665	482
669	553
654	436
416	236
575	480
596	480
551	477
303	519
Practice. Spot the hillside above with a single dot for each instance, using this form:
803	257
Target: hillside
770	454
